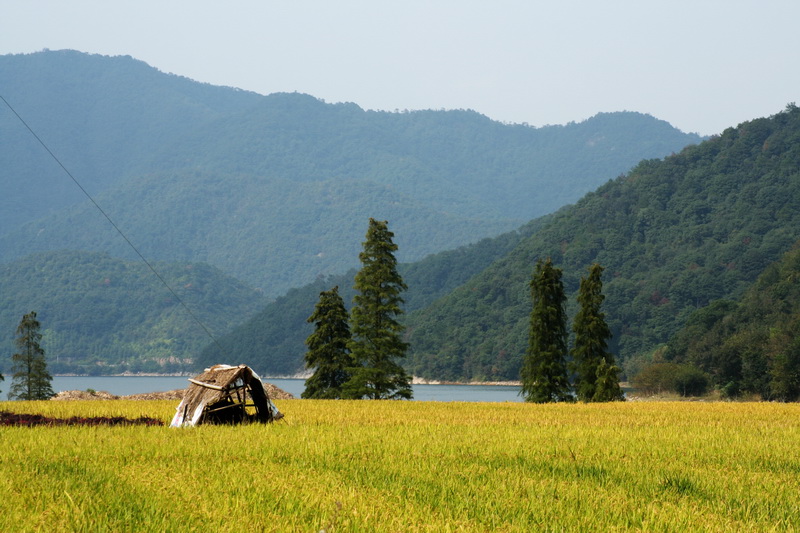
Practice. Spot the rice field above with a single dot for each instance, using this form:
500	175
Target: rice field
409	466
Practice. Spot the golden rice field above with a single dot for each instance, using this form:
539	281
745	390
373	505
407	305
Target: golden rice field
410	466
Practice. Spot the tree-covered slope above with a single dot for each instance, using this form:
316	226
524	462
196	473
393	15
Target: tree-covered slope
274	338
752	345
274	189
673	234
101	315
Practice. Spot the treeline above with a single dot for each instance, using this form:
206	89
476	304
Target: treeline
550	371
357	355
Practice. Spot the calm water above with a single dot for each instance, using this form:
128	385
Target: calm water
124	385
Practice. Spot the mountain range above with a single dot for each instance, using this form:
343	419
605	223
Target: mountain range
275	190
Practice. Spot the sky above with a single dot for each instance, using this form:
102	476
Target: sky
701	65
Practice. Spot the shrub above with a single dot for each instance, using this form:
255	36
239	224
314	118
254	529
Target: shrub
658	378
730	390
690	381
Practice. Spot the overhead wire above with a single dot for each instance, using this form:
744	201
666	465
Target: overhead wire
114	225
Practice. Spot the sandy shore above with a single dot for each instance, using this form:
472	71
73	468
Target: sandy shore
422	381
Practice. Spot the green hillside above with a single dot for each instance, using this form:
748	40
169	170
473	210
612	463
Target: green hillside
101	315
753	345
275	189
274	338
673	234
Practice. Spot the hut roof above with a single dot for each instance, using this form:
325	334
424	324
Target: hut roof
222	394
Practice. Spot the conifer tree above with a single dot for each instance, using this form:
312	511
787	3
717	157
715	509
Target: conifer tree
377	344
328	353
544	370
31	380
597	377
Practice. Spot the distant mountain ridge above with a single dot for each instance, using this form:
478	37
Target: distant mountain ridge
276	189
103	116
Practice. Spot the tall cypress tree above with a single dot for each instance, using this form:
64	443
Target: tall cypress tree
597	377
328	353
377	344
31	379
544	370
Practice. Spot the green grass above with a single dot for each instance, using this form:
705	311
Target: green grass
410	466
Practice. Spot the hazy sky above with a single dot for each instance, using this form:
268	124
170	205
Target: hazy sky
702	65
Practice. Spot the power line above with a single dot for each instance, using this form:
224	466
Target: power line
127	240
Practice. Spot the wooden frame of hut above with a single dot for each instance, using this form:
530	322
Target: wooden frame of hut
222	394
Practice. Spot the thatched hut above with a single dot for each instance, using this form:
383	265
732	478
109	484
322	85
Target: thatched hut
225	394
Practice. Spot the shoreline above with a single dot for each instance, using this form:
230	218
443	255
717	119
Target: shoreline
416	380
422	381
126	375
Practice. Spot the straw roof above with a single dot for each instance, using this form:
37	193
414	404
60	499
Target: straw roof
223	394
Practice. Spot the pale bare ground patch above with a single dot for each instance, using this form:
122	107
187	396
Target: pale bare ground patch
275	393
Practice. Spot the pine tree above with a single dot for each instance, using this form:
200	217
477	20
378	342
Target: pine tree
377	344
597	377
328	353
31	380
544	370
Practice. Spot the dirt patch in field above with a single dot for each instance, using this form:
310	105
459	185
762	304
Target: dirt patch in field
176	394
27	420
84	395
276	393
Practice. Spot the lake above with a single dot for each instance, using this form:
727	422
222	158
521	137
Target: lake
125	385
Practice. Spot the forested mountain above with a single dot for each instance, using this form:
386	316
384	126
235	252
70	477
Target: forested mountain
674	235
753	345
275	190
101	315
